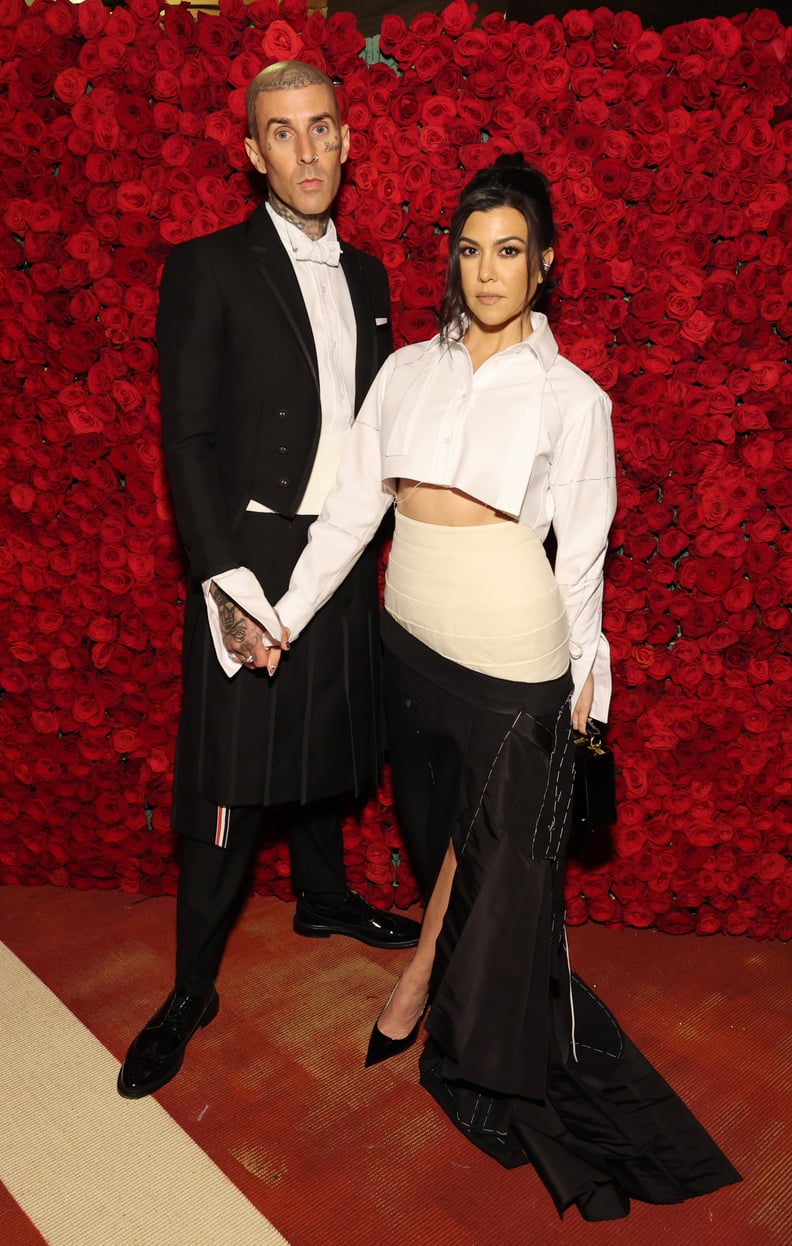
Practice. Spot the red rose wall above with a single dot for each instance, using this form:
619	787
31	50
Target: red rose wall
121	134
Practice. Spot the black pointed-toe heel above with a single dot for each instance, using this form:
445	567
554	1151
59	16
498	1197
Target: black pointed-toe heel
381	1047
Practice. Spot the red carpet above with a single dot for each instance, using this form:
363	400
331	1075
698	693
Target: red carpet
275	1093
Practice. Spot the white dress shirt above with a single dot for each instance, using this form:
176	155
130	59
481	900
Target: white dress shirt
528	434
332	316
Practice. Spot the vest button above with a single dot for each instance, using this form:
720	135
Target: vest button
281	415
284	482
283	449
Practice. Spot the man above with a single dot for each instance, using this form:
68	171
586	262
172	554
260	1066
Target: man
267	347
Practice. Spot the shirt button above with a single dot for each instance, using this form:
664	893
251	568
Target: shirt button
284	482
283	449
446	441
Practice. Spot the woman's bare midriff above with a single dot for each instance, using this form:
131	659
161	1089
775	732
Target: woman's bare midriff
439	505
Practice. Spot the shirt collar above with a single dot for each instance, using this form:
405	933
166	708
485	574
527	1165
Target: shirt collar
541	343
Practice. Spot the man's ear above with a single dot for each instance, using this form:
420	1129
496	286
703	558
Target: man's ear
344	143
255	157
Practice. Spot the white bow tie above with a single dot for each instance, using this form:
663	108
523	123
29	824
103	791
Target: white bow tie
322	251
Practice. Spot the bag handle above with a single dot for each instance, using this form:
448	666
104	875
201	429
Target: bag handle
592	738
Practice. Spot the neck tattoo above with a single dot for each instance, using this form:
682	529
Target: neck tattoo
313	227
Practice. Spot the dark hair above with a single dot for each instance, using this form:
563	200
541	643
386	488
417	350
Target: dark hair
508	183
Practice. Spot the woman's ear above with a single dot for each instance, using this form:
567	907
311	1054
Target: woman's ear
547	258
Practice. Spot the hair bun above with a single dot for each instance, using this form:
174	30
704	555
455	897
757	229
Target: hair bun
510	160
509	182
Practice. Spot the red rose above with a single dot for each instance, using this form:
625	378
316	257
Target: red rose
214	34
281	42
771	866
709	921
576	912
262	12
578	24
735	923
762	26
603	908
457	18
676	921
70	84
637	914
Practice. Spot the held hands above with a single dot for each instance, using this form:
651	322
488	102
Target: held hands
277	648
257	648
582	709
267	651
246	640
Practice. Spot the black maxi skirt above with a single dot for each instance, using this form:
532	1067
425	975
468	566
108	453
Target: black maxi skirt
523	1057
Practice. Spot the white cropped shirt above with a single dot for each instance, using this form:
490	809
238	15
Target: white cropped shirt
528	434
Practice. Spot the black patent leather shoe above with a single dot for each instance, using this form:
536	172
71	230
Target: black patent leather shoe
156	1055
381	1047
359	920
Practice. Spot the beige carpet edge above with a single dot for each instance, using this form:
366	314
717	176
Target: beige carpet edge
90	1168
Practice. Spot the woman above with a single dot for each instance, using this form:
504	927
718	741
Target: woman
485	436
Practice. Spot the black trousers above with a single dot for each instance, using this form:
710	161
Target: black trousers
214	882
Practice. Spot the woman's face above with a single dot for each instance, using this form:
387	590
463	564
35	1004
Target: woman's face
496	268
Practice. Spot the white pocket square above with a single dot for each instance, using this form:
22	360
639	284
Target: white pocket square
379	320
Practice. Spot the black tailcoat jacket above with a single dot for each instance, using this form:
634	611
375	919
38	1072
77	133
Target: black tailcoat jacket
241	419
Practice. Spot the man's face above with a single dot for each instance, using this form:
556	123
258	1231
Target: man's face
301	147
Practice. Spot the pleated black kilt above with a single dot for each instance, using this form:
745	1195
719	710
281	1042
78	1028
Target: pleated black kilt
523	1057
311	732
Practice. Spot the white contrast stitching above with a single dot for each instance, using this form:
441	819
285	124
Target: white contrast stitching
553	818
611	1018
486	781
469	1124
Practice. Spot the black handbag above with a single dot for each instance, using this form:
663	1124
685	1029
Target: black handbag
594	792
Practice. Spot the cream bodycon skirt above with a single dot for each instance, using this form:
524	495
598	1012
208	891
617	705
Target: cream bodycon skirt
482	596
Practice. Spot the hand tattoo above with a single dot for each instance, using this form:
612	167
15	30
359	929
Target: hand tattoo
238	629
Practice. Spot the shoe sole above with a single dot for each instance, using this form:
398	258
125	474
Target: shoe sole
132	1093
311	931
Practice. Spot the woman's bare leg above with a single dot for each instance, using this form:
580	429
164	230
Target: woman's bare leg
409	998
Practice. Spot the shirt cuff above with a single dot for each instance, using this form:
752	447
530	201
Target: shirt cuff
242	586
294	613
593	660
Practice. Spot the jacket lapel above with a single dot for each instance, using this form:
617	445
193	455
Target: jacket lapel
366	354
275	267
